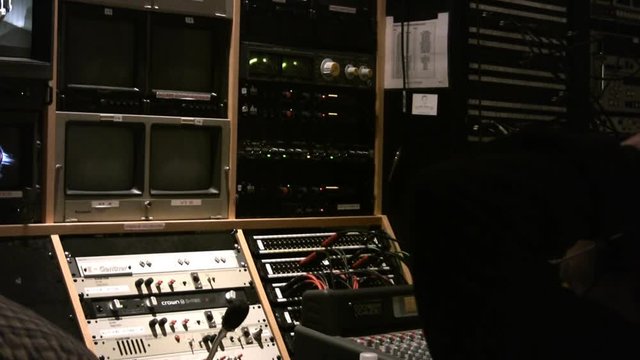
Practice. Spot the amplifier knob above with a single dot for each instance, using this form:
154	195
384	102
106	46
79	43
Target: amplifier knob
230	295
351	71
115	305
139	283
162	322
329	68
151	302
365	73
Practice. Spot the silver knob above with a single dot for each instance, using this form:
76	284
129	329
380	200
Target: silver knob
351	71
366	73
329	68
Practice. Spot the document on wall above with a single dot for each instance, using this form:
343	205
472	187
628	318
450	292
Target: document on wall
425	50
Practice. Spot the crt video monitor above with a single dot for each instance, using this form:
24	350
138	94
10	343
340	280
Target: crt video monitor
177	150
104	158
134	167
188	65
102	54
26	38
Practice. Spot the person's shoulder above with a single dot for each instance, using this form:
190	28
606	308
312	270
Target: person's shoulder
27	335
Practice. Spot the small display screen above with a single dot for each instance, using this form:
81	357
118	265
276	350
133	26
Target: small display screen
16	17
263	64
297	67
405	306
184	158
11	158
102	158
100	51
181	59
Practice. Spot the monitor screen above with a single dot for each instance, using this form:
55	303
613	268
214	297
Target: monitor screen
16	18
182	58
103	158
11	158
100	50
184	159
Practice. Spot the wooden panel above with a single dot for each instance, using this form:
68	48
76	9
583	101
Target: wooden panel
386	226
378	180
184	225
232	110
73	295
257	282
49	133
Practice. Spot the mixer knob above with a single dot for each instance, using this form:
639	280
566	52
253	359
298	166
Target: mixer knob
351	71
365	73
329	68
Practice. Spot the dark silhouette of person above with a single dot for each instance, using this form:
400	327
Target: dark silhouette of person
530	249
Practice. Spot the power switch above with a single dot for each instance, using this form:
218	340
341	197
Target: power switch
196	280
257	336
211	322
247	335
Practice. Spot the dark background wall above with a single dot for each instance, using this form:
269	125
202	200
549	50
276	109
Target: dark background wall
590	60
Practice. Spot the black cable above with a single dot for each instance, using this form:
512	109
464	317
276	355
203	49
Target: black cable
404	48
527	34
375	274
405	79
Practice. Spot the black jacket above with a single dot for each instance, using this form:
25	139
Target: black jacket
485	227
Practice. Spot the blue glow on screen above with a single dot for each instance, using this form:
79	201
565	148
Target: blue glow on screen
5	160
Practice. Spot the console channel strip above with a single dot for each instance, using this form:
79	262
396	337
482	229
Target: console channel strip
168	304
292	262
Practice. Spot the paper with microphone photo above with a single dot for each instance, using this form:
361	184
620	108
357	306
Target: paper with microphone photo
425	53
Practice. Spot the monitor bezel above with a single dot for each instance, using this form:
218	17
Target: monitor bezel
175	206
94	12
137	187
220	29
215	179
